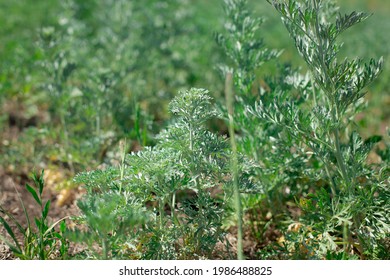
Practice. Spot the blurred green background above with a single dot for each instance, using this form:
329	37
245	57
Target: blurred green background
169	46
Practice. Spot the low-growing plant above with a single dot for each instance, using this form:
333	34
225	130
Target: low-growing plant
41	241
298	179
182	188
109	218
89	64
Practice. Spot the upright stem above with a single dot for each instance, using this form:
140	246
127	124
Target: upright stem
66	139
173	207
191	142
332	185
122	149
105	249
340	160
330	92
98	125
234	163
161	210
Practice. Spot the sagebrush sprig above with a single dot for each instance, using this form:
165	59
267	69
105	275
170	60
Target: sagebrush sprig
341	84
256	138
322	122
187	159
297	181
242	44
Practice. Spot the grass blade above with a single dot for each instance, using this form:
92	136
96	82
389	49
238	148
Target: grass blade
10	232
40	182
16	250
24	211
33	193
54	224
17	224
46	209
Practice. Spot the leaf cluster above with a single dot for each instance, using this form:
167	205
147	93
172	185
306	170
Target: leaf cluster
321	120
187	159
40	241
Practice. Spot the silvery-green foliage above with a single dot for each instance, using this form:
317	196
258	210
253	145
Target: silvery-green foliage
110	219
187	159
109	65
265	143
315	37
322	123
338	88
242	45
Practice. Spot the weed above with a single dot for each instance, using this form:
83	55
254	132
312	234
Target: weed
323	124
42	242
300	173
187	159
267	144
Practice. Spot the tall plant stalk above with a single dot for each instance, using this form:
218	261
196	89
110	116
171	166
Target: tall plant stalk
229	95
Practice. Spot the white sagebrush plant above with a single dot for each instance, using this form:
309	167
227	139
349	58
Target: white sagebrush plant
265	143
341	218
187	159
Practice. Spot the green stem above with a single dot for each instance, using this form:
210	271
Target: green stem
191	142
234	164
98	125
66	140
105	249
332	185
340	160
173	207
42	233
123	149
333	103
161	210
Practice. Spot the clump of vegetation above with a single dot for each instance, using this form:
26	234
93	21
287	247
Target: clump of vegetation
335	219
148	193
41	240
282	159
